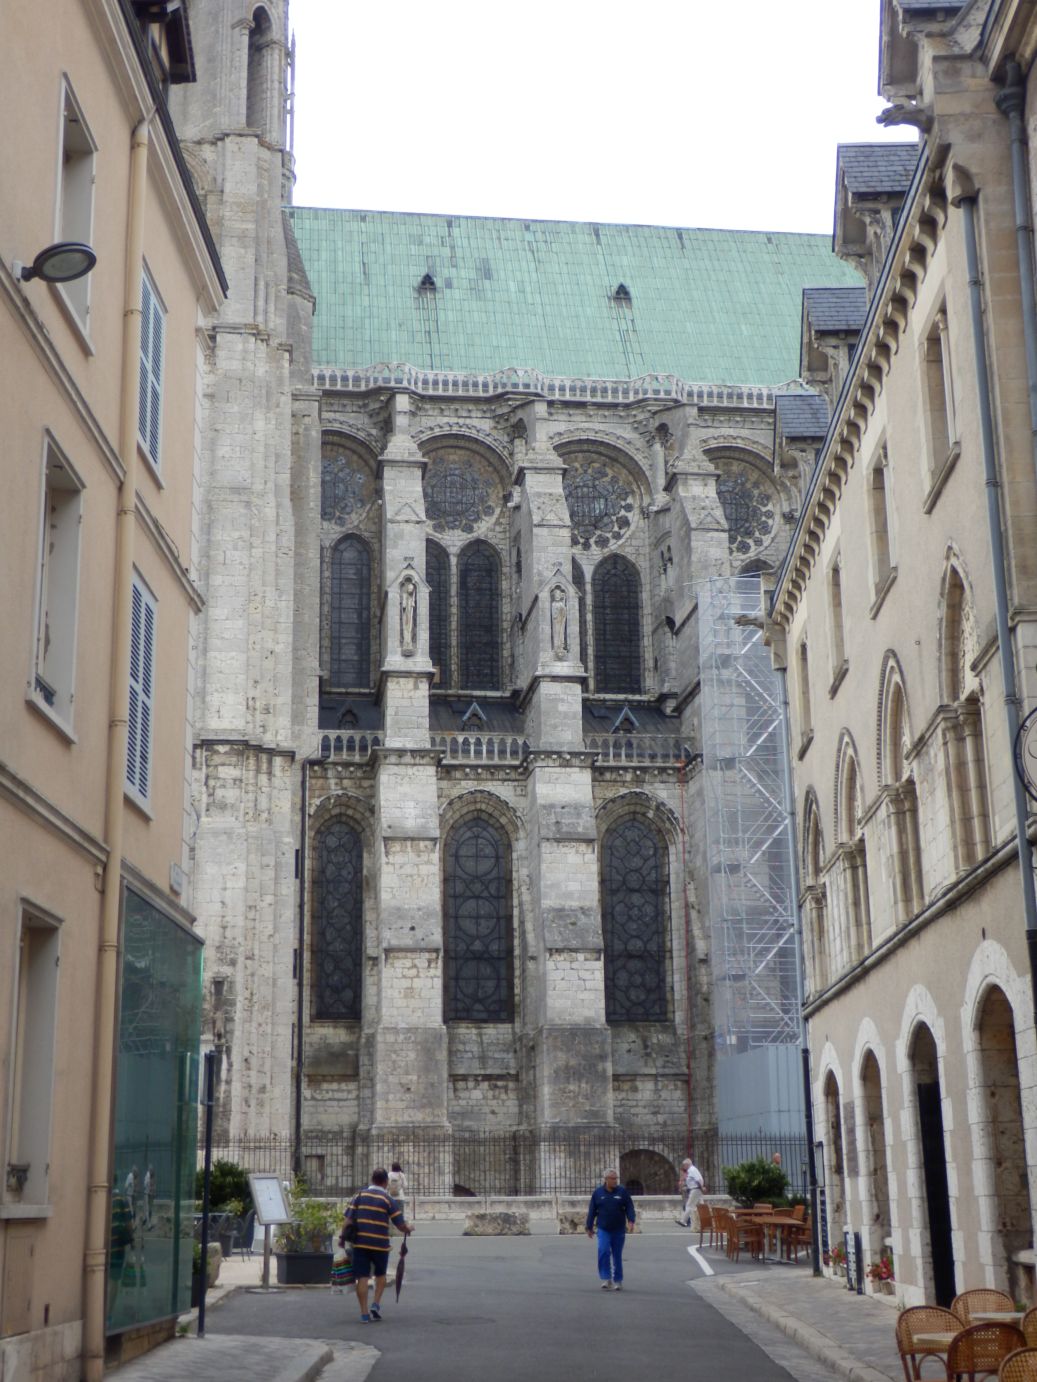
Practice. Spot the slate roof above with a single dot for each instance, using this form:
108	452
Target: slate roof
710	306
835	309
876	169
802	414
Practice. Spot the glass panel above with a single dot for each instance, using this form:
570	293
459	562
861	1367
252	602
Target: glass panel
437	573
152	1213
350	614
479	618
338	923
634	923
616	589
479	986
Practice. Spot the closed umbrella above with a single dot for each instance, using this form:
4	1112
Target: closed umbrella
400	1266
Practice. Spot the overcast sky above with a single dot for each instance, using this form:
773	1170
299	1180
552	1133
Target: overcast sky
690	114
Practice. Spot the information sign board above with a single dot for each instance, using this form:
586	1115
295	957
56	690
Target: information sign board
268	1198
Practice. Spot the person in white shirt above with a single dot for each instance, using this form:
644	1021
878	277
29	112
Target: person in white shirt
693	1187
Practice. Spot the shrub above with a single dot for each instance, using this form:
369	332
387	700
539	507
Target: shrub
750	1182
313	1222
228	1185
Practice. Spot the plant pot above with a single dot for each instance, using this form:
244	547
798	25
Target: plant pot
883	1288
303	1268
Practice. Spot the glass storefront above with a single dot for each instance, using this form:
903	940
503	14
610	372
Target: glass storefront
156	1102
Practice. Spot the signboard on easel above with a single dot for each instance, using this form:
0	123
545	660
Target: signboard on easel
271	1207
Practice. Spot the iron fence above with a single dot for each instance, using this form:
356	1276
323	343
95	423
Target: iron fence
526	1162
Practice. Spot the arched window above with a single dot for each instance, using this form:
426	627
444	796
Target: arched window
815	898
854	862
479	972
338	923
479	618
580	582
633	904
964	736
260	55
437	573
616	590
350	663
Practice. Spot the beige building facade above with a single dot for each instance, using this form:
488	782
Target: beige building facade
901	671
101	419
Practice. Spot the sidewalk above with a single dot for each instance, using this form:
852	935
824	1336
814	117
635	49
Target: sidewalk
854	1336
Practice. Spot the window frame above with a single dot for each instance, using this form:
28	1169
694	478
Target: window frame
505	882
59	709
140	736
320	1010
364	634
150	381
611	903
75	296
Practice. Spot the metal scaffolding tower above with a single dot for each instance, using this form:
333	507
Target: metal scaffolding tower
751	890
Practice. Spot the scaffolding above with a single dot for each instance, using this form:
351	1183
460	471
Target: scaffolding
751	878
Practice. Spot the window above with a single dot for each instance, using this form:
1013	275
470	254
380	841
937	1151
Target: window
806	724
616	592
338	923
350	614
75	218
633	904
878	516
152	348
479	982
142	684
580	586
261	74
36	992
437	574
55	656
835	609
479	618
939	395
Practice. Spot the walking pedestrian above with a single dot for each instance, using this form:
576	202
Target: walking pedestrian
398	1186
372	1211
611	1209
693	1187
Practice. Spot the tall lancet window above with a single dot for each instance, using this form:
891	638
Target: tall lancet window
437	573
338	923
633	901
580	583
350	664
479	618
479	969
616	590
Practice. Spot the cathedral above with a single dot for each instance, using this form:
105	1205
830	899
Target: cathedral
465	486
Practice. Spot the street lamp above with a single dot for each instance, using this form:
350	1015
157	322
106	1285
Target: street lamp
60	263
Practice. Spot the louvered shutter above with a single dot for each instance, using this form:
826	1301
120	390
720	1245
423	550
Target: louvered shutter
142	682
152	351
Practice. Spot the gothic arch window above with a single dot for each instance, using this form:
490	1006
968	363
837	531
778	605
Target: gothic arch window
616	591
580	585
437	574
338	923
815	897
964	740
633	902
479	618
478	960
350	614
901	801
853	859
261	53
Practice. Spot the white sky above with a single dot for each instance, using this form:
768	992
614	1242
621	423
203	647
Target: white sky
702	113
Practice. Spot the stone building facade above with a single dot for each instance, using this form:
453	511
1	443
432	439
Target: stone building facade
904	614
465	481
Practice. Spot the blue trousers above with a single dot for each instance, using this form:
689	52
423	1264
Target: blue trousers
610	1253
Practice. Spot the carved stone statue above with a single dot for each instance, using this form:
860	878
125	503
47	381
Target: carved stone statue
559	622
408	613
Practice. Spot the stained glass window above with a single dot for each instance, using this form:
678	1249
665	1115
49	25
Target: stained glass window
437	573
633	902
479	618
350	613
580	582
616	589
479	984
338	923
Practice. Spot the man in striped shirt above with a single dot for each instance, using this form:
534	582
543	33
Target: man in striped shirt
372	1210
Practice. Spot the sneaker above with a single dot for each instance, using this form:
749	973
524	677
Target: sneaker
618	1286
606	1285
365	1319
376	1312
681	1223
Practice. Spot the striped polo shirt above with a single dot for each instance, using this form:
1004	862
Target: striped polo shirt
373	1210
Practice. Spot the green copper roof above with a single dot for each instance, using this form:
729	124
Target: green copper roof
711	306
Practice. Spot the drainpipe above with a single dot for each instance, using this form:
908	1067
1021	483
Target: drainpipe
107	998
967	198
300	967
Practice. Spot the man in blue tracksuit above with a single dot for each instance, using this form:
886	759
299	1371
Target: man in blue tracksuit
611	1208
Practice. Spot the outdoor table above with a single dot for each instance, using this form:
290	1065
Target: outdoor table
997	1316
933	1343
778	1222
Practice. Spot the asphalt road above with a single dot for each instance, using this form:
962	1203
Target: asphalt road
504	1309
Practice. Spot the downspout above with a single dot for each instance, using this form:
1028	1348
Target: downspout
300	979
107	1000
966	198
681	779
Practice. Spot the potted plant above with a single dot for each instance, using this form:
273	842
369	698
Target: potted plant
838	1257
880	1274
303	1247
752	1182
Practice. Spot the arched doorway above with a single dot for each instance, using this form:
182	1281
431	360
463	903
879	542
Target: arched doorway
644	1172
926	1072
835	1175
879	1229
995	1030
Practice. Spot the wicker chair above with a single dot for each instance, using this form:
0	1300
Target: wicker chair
1028	1325
1020	1366
982	1299
922	1319
742	1234
798	1211
707	1224
980	1349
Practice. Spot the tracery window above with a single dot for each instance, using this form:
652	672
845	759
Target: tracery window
437	574
479	618
478	979
616	590
633	888
350	596
338	923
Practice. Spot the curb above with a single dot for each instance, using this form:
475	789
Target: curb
819	1345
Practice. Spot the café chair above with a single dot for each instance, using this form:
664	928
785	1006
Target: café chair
979	1301
1028	1324
979	1350
1020	1366
707	1224
922	1319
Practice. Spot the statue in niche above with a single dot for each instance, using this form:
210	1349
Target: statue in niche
559	622
408	614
